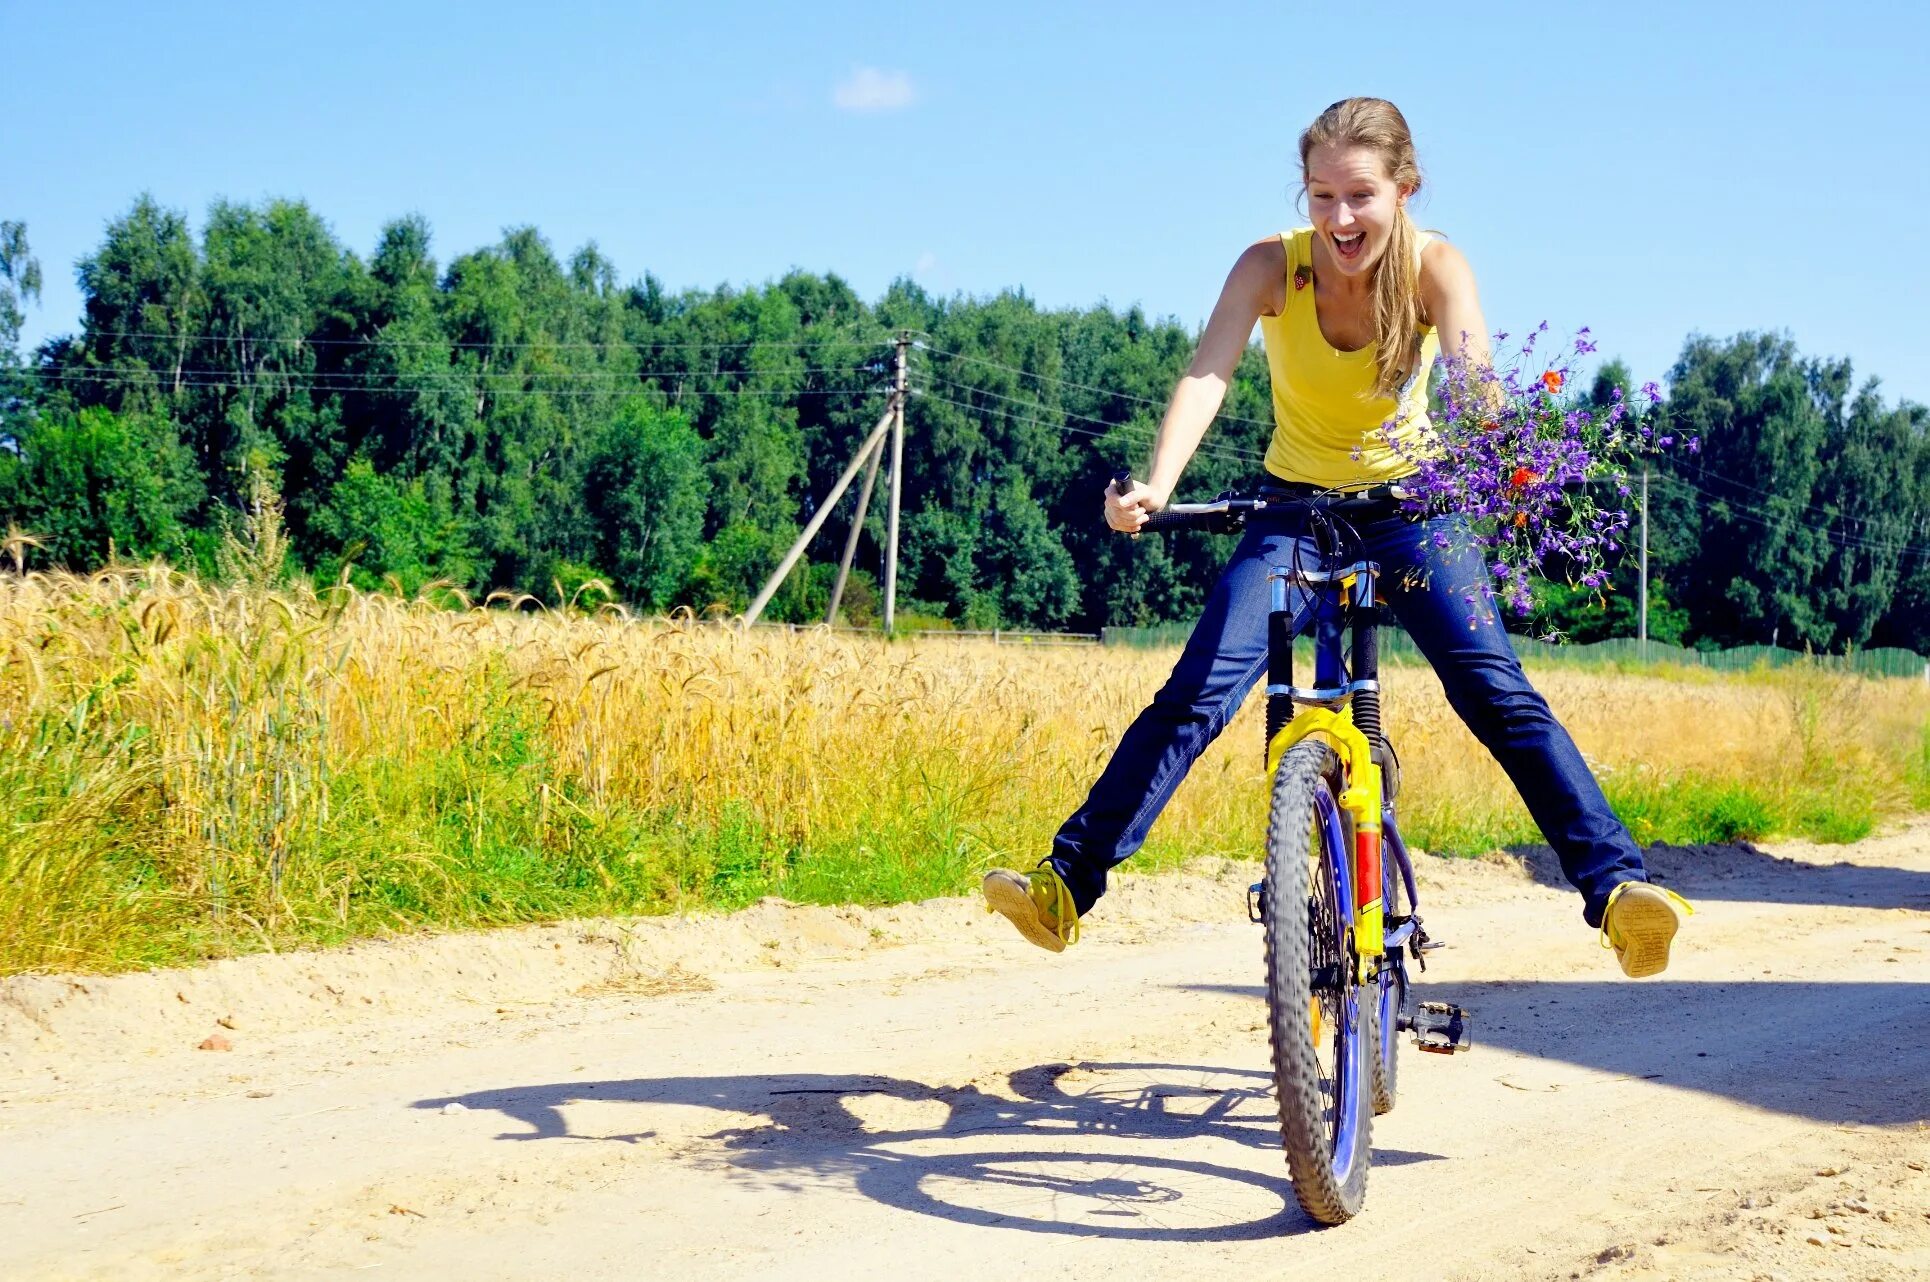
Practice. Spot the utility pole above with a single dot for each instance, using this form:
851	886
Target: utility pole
1642	609
857	527
873	442
897	414
872	449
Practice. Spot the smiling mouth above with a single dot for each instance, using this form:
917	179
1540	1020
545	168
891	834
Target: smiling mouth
1349	246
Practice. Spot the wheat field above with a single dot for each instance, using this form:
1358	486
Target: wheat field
192	770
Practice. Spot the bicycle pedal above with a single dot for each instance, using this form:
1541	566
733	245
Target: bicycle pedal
1441	1029
1256	902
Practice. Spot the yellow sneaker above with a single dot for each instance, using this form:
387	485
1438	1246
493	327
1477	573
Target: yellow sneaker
1037	902
1638	923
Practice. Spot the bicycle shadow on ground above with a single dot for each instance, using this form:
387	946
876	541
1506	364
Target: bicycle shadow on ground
1744	873
916	1147
1841	1053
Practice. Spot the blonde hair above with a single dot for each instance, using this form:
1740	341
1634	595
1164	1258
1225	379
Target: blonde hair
1377	125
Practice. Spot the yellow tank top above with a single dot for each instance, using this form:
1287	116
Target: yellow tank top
1324	407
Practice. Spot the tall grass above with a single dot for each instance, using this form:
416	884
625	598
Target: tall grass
189	770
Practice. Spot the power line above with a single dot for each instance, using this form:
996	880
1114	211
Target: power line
1246	460
1773	521
452	375
880	339
1779	498
1221	447
1084	387
624	390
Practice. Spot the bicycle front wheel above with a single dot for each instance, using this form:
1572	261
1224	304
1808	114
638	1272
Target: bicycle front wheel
1318	1021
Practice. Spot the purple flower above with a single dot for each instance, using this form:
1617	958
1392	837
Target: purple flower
1507	447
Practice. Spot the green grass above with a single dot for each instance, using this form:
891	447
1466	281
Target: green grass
493	834
496	833
1917	772
1679	809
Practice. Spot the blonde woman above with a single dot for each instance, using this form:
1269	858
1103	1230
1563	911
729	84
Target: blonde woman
1351	310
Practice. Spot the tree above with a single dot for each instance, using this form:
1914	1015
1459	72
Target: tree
19	283
1866	502
274	279
95	483
1026	570
1760	554
144	310
388	529
646	491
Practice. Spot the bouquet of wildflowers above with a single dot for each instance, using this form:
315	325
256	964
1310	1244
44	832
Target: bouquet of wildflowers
1542	476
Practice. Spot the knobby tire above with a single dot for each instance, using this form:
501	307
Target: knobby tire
1306	1130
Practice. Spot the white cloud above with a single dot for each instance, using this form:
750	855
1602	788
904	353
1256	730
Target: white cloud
927	264
869	89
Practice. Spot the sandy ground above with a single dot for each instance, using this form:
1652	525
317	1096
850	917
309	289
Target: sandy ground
915	1092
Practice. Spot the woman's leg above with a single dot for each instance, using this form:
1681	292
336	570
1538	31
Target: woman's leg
1224	658
1439	594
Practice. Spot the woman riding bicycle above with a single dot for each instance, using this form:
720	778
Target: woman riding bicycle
1351	310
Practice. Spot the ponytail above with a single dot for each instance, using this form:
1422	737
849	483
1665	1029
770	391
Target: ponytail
1397	308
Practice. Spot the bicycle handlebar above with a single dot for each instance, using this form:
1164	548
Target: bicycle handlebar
1228	512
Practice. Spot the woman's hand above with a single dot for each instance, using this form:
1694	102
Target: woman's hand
1126	511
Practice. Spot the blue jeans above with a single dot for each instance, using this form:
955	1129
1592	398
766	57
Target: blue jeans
1433	578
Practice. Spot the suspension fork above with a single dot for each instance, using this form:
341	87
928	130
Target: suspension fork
1361	796
1366	805
1279	657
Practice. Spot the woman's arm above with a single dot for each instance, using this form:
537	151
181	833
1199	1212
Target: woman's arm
1453	303
1255	287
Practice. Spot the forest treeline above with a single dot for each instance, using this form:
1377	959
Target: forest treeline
510	420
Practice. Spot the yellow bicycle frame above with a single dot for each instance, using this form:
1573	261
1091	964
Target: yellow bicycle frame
1361	798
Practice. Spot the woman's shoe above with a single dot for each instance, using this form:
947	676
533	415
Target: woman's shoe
1037	902
1639	923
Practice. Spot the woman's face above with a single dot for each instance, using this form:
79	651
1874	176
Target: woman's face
1353	204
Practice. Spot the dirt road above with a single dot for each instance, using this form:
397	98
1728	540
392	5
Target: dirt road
915	1093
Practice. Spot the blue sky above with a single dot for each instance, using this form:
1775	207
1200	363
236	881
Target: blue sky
1647	170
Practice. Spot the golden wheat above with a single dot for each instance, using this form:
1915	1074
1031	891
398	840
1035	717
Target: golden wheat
192	768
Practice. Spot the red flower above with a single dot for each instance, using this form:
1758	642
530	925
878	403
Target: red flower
1522	478
1552	380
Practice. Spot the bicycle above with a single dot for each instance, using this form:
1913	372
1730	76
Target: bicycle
1338	992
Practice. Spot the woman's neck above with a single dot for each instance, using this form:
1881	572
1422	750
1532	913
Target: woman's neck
1335	283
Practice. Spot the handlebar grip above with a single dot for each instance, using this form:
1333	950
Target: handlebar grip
1122	481
1169	520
